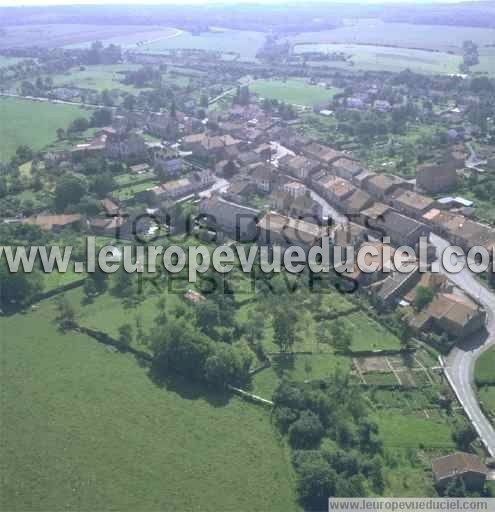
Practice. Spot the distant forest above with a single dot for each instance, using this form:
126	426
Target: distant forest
279	19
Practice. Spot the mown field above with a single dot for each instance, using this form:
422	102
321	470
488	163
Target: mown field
294	91
32	123
88	430
383	58
402	430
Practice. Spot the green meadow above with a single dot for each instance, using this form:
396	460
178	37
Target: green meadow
88	429
295	91
32	123
98	77
484	373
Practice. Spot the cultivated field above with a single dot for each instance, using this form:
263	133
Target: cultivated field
295	91
242	42
89	429
376	32
487	62
135	39
49	36
384	58
32	123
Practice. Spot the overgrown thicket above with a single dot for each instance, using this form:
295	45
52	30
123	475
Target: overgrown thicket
337	447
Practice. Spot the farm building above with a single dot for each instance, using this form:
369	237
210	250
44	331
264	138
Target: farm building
469	467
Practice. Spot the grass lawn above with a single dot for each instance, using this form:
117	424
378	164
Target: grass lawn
32	123
53	280
295	91
406	430
383	58
299	368
369	335
484	368
84	428
487	396
98	78
129	191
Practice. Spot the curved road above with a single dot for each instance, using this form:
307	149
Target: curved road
460	364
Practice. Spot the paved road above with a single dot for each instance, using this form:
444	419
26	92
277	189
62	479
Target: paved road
473	161
460	364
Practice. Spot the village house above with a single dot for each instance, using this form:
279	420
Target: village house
114	227
163	125
411	203
294	189
264	178
395	285
382	106
306	208
265	151
291	140
109	206
279	200
469	467
377	256
358	201
334	189
182	187
373	213
435	178
355	103
94	148
402	230
139	168
127	147
323	154
204	146
275	229
360	179
55	223
450	312
298	166
348	235
247	158
381	185
239	189
346	168
459	230
229	217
